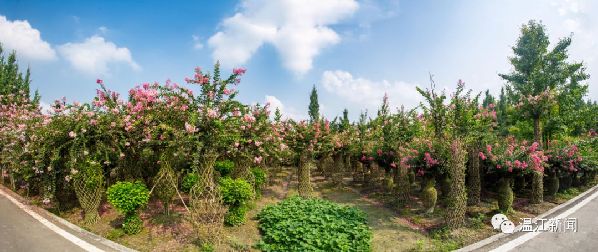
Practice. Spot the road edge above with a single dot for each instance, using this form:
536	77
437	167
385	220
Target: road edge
40	214
568	204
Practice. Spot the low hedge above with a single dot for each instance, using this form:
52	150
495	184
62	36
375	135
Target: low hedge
300	224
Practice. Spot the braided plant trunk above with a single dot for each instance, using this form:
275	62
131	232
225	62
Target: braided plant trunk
357	172
537	187
347	163
243	169
306	163
207	211
337	168
376	175
367	174
326	164
457	196
505	195
88	184
474	184
165	183
402	185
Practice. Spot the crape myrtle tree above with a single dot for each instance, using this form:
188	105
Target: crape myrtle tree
19	116
212	126
538	77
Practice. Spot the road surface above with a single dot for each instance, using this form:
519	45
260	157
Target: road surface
19	231
585	239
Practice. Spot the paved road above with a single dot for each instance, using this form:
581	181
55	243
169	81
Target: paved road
21	232
586	238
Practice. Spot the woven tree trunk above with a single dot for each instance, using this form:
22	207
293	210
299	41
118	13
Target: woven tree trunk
402	185
367	175
337	168
505	195
306	163
243	169
207	211
457	196
89	188
357	172
326	164
165	183
388	182
474	185
537	187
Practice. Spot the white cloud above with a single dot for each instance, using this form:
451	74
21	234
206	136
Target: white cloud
197	45
274	102
95	54
298	29
367	93
103	29
286	111
18	35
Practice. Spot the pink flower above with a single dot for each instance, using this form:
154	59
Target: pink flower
429	160
393	165
534	147
482	156
190	128
258	159
99	81
239	71
72	134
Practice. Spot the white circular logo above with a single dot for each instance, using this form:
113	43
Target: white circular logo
497	219
507	227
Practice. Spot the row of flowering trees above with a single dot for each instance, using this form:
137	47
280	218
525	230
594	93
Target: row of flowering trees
453	147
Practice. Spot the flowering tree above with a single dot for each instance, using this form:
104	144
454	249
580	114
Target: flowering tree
306	139
539	73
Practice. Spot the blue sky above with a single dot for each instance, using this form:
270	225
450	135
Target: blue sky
352	50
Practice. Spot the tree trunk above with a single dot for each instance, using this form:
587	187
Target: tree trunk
306	163
537	131
474	185
537	187
457	196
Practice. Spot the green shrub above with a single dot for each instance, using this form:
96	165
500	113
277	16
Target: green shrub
189	180
260	179
127	198
224	167
236	194
301	224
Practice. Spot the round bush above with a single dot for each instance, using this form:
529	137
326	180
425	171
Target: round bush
189	181
236	194
127	197
300	224
224	167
